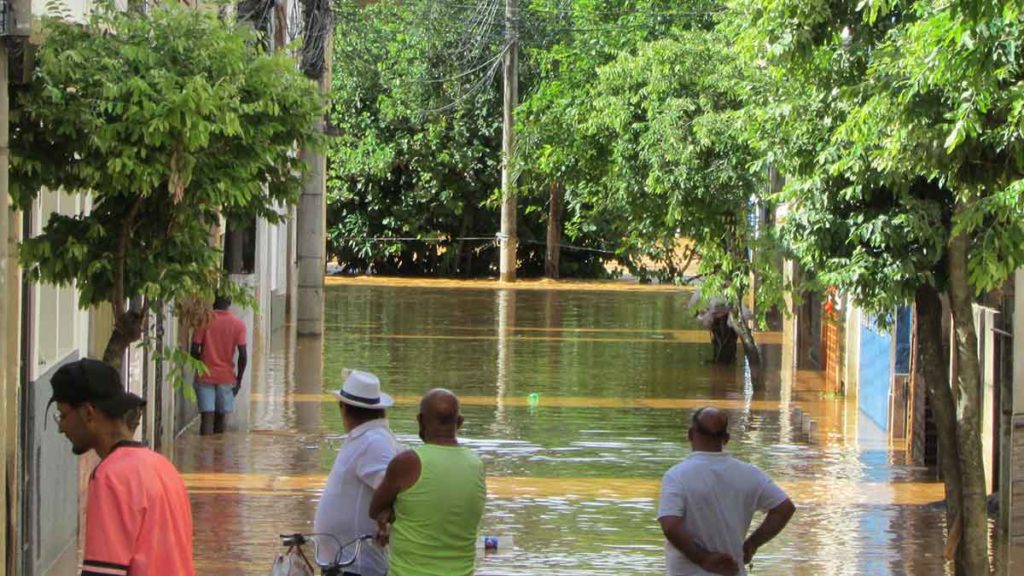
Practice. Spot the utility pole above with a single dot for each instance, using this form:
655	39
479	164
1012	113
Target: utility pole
311	211
508	239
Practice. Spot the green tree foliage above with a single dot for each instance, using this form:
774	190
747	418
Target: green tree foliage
639	115
679	161
415	154
416	108
898	125
567	44
167	122
884	128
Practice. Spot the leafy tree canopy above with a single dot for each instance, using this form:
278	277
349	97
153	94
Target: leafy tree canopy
415	155
166	121
568	44
897	125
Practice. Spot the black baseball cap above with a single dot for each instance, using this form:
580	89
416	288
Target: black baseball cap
94	382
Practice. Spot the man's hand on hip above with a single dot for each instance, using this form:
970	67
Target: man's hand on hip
749	549
384	520
720	563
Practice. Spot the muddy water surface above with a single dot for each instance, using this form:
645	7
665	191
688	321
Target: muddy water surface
577	402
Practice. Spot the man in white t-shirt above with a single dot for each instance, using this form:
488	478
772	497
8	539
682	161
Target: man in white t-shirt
708	501
343	511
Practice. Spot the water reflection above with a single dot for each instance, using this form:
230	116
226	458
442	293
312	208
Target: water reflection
573	475
505	311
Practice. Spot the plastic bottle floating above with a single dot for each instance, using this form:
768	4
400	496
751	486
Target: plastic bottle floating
533	399
495	544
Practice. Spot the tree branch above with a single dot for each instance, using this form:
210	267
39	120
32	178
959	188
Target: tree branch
122	255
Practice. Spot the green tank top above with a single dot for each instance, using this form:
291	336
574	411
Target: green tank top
437	519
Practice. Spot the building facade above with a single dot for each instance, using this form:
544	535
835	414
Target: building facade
42	328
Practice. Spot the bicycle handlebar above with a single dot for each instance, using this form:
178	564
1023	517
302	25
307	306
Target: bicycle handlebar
299	539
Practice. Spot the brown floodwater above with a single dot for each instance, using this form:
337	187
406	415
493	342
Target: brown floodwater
577	401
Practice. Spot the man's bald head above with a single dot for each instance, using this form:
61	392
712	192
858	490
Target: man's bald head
709	430
439	414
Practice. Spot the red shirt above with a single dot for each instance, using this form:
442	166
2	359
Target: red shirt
219	338
138	518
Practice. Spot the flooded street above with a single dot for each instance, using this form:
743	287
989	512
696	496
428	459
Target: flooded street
578	402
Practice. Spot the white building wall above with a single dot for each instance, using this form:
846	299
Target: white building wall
61	328
852	362
58	333
75	10
984	324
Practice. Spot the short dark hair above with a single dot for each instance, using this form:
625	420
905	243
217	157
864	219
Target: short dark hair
363	414
221	302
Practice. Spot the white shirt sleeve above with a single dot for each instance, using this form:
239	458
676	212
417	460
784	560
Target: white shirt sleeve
374	461
769	495
671	502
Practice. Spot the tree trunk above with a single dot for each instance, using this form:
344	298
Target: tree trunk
750	349
974	546
456	254
127	329
933	364
554	244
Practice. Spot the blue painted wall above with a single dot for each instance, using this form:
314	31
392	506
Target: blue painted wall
875	376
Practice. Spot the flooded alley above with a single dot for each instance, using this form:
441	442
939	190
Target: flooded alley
578	401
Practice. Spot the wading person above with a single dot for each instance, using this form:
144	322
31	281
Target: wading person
215	345
431	501
708	501
138	521
344	509
716	319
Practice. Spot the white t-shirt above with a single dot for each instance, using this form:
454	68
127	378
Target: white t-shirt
344	507
716	496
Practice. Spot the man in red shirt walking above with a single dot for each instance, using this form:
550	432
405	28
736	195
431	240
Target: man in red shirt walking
215	345
138	521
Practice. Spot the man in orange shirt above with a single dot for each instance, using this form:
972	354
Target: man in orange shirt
215	345
138	517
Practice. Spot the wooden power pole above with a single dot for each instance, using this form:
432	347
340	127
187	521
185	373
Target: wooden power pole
508	239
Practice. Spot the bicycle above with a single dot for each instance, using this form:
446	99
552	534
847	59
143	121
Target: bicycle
295	542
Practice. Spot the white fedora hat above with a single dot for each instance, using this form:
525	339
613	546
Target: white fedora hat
362	389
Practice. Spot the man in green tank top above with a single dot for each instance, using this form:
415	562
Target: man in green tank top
431	500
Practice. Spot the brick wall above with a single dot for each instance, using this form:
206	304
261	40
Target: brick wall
833	332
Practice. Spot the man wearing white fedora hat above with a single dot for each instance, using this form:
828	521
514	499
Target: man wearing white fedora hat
358	470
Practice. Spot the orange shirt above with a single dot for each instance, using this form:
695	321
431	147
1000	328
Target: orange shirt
138	517
219	338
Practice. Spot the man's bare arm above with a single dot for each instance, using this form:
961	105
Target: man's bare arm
402	472
715	562
774	522
243	361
